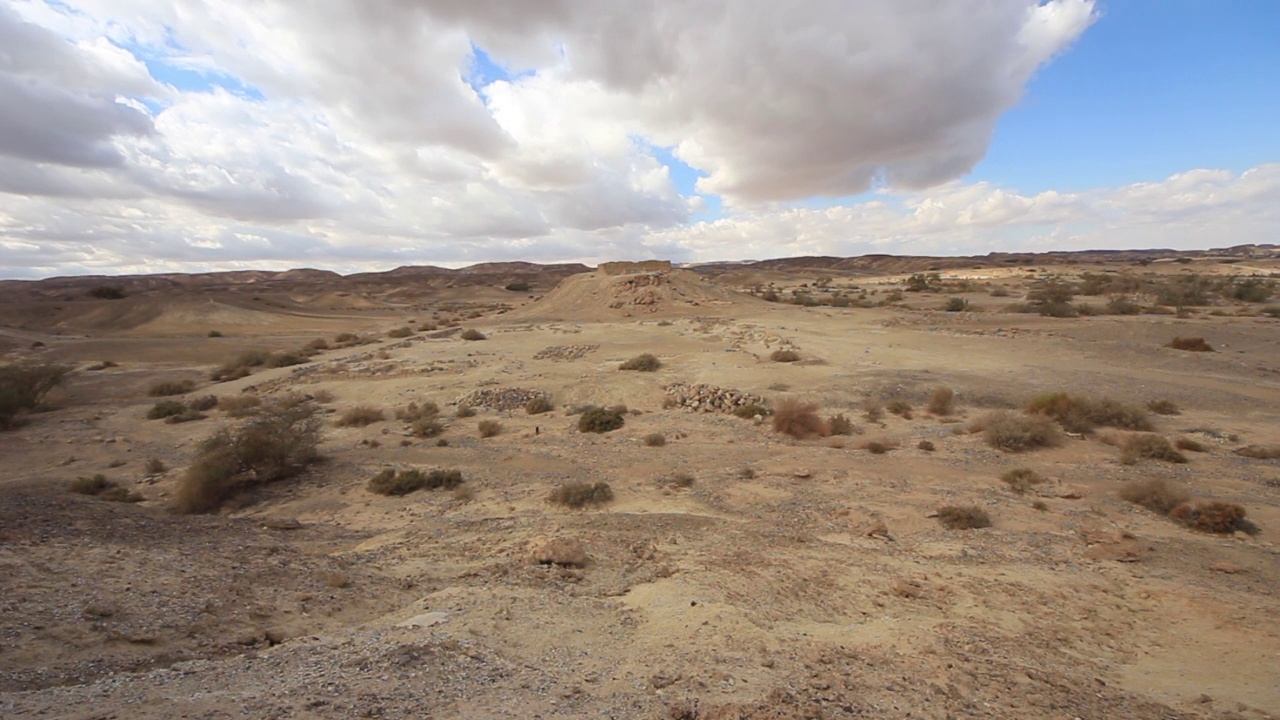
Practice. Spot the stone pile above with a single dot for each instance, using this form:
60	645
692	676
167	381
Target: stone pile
565	352
709	398
501	398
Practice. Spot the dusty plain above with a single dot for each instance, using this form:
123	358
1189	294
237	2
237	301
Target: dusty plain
736	573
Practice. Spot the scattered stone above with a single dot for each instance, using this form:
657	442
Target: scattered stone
425	620
1228	568
281	524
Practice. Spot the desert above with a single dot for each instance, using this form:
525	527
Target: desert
909	488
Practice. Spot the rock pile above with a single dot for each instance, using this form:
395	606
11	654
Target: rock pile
565	352
501	398
709	398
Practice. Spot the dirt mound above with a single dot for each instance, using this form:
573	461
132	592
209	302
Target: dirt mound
598	296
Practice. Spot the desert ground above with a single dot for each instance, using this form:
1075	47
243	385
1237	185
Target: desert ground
731	570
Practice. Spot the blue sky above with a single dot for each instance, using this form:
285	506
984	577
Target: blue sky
1154	88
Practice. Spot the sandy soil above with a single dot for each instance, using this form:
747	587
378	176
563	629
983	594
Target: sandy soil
790	579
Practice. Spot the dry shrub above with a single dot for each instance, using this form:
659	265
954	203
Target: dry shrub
1190	445
284	358
581	494
119	494
1155	494
205	402
538	405
276	445
878	446
872	410
403	482
798	419
963	517
1259	452
942	401
345	338
1190	344
316	345
655	440
901	408
839	425
926	445
472	334
1017	432
414	412
1082	415
1149	445
750	411
90	485
400	332
677	479
240	366
465	411
1212	516
489	428
646	362
239	406
600	420
164	389
360	416
165	409
784	356
187	415
155	466
1164	407
1021	480
1040	505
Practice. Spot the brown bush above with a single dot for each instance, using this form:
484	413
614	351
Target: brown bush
646	362
187	415
202	403
1212	516
1164	407
239	406
1149	445
414	411
90	485
538	405
963	517
155	466
901	408
165	409
750	411
600	420
465	411
403	482
878	446
926	445
472	334
1190	344
489	428
798	419
942	401
784	356
655	440
1190	445
838	424
1082	415
360	416
1259	452
164	389
872	410
1021	480
582	494
1016	432
1155	494
400	332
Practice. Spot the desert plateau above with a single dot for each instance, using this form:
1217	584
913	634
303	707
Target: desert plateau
1006	486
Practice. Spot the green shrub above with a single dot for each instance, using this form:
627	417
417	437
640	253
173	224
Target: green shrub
489	428
518	286
360	416
538	405
1149	445
403	482
163	389
600	420
1017	432
581	494
472	334
784	356
646	362
963	517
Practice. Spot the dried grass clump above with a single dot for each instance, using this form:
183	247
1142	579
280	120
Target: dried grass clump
678	479
1149	445
645	362
414	412
926	445
1184	443
1190	344
205	402
155	466
472	334
1018	432
1082	415
1156	495
538	405
165	409
489	428
600	420
400	332
164	389
901	408
784	356
963	517
360	416
1259	452
750	411
798	419
878	446
582	494
1021	480
838	424
399	483
872	410
90	485
240	366
655	440
1164	407
1212	516
465	411
238	406
942	401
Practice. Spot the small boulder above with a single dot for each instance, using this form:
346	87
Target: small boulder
567	552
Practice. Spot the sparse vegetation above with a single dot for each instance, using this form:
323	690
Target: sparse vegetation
100	487
214	334
872	410
926	445
798	419
877	447
963	517
1259	452
1018	432
239	406
838	424
749	411
600	420
1190	344
518	286
399	483
1082	415
1149	445
165	409
784	356
472	334
956	304
167	388
400	332
942	401
901	408
107	292
203	403
582	494
679	479
655	440
360	416
1021	480
1190	445
465	411
645	362
1164	407
1155	494
538	405
1212	516
489	428
155	466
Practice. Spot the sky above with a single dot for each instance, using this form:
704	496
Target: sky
145	136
